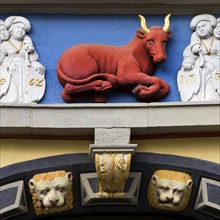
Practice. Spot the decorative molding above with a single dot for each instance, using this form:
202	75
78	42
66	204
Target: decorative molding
113	148
13	200
142	118
112	171
143	163
112	154
90	192
208	200
110	6
89	137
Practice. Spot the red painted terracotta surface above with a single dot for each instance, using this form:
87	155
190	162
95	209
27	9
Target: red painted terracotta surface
94	69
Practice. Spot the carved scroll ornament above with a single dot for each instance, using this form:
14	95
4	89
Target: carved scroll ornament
112	171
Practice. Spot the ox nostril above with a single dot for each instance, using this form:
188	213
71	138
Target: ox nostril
160	59
157	59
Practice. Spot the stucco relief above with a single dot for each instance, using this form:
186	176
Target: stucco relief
94	69
170	190
21	75
112	171
199	77
52	192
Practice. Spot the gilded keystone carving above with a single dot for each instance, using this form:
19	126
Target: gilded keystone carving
112	171
51	192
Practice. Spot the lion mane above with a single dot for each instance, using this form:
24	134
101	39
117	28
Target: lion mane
48	177
173	175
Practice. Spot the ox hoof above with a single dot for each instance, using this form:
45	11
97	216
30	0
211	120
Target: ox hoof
143	93
138	89
106	86
103	87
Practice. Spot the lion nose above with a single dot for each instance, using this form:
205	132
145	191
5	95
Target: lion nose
169	199
53	198
53	201
169	196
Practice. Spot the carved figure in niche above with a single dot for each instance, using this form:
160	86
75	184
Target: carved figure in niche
170	190
94	69
51	192
199	77
21	75
216	31
4	34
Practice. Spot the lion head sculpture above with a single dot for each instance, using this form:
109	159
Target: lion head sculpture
170	190
51	192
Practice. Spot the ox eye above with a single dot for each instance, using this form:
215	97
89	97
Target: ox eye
150	42
164	43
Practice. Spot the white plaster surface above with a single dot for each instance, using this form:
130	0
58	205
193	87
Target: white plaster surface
112	136
81	119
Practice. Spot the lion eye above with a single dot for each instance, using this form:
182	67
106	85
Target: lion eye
150	42
60	189
178	192
44	192
165	189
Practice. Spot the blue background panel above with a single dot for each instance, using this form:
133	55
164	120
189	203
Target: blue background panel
52	34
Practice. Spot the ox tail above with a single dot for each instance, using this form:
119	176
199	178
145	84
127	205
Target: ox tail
65	79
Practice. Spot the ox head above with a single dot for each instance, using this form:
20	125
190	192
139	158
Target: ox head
155	38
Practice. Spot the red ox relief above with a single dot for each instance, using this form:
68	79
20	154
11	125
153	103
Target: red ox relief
94	69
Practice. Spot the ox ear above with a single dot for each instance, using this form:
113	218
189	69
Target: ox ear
140	34
169	33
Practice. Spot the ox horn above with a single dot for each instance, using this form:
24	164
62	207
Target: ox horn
143	24
166	26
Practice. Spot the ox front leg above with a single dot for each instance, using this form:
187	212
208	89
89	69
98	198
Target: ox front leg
145	87
151	91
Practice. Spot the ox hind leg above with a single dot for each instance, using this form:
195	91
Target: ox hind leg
97	88
98	97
